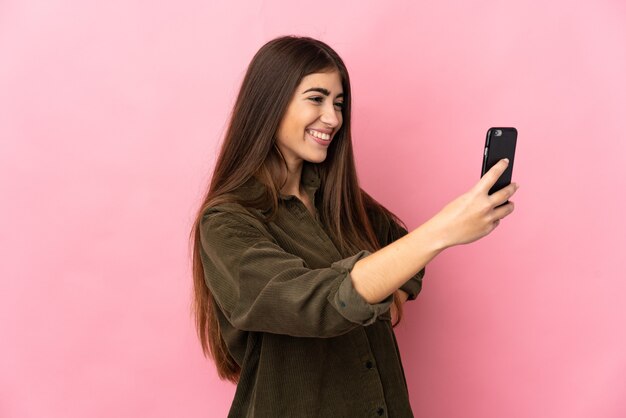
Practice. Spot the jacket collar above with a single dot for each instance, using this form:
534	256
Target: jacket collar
310	179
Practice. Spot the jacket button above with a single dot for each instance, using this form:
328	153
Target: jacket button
369	364
380	411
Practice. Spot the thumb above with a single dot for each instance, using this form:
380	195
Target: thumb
489	179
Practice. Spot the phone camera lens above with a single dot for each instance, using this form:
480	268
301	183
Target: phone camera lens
498	132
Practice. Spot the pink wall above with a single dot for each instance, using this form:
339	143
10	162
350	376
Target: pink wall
110	116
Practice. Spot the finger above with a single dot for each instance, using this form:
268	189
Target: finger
503	211
503	194
489	179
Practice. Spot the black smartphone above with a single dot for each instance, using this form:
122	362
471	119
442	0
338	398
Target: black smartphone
500	143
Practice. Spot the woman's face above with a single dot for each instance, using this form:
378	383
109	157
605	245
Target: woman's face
312	119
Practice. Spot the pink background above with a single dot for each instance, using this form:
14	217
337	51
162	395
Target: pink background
110	118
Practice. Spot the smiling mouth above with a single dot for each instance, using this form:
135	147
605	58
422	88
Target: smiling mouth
318	135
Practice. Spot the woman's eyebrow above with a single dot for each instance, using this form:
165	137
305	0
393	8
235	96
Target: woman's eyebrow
322	90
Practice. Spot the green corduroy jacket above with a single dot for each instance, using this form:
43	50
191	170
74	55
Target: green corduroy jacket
308	344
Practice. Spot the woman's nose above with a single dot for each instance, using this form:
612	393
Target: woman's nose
330	117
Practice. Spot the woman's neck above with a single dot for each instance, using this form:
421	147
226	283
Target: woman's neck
292	185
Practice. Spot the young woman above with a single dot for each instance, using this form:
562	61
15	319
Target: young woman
297	270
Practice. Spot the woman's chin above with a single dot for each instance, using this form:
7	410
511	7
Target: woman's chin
316	157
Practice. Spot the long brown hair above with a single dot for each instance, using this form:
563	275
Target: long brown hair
249	150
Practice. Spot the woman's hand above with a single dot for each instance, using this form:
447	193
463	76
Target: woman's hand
402	296
475	214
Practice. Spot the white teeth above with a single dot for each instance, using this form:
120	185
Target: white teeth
319	135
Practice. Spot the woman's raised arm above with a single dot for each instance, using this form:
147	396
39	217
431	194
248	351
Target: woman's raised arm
468	218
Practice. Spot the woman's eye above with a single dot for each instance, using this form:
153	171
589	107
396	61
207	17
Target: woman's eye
319	100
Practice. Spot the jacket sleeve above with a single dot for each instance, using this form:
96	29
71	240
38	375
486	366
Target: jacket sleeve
260	287
388	231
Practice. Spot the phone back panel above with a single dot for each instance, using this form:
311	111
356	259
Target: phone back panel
498	147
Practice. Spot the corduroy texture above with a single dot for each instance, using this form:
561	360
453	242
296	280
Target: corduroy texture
308	344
